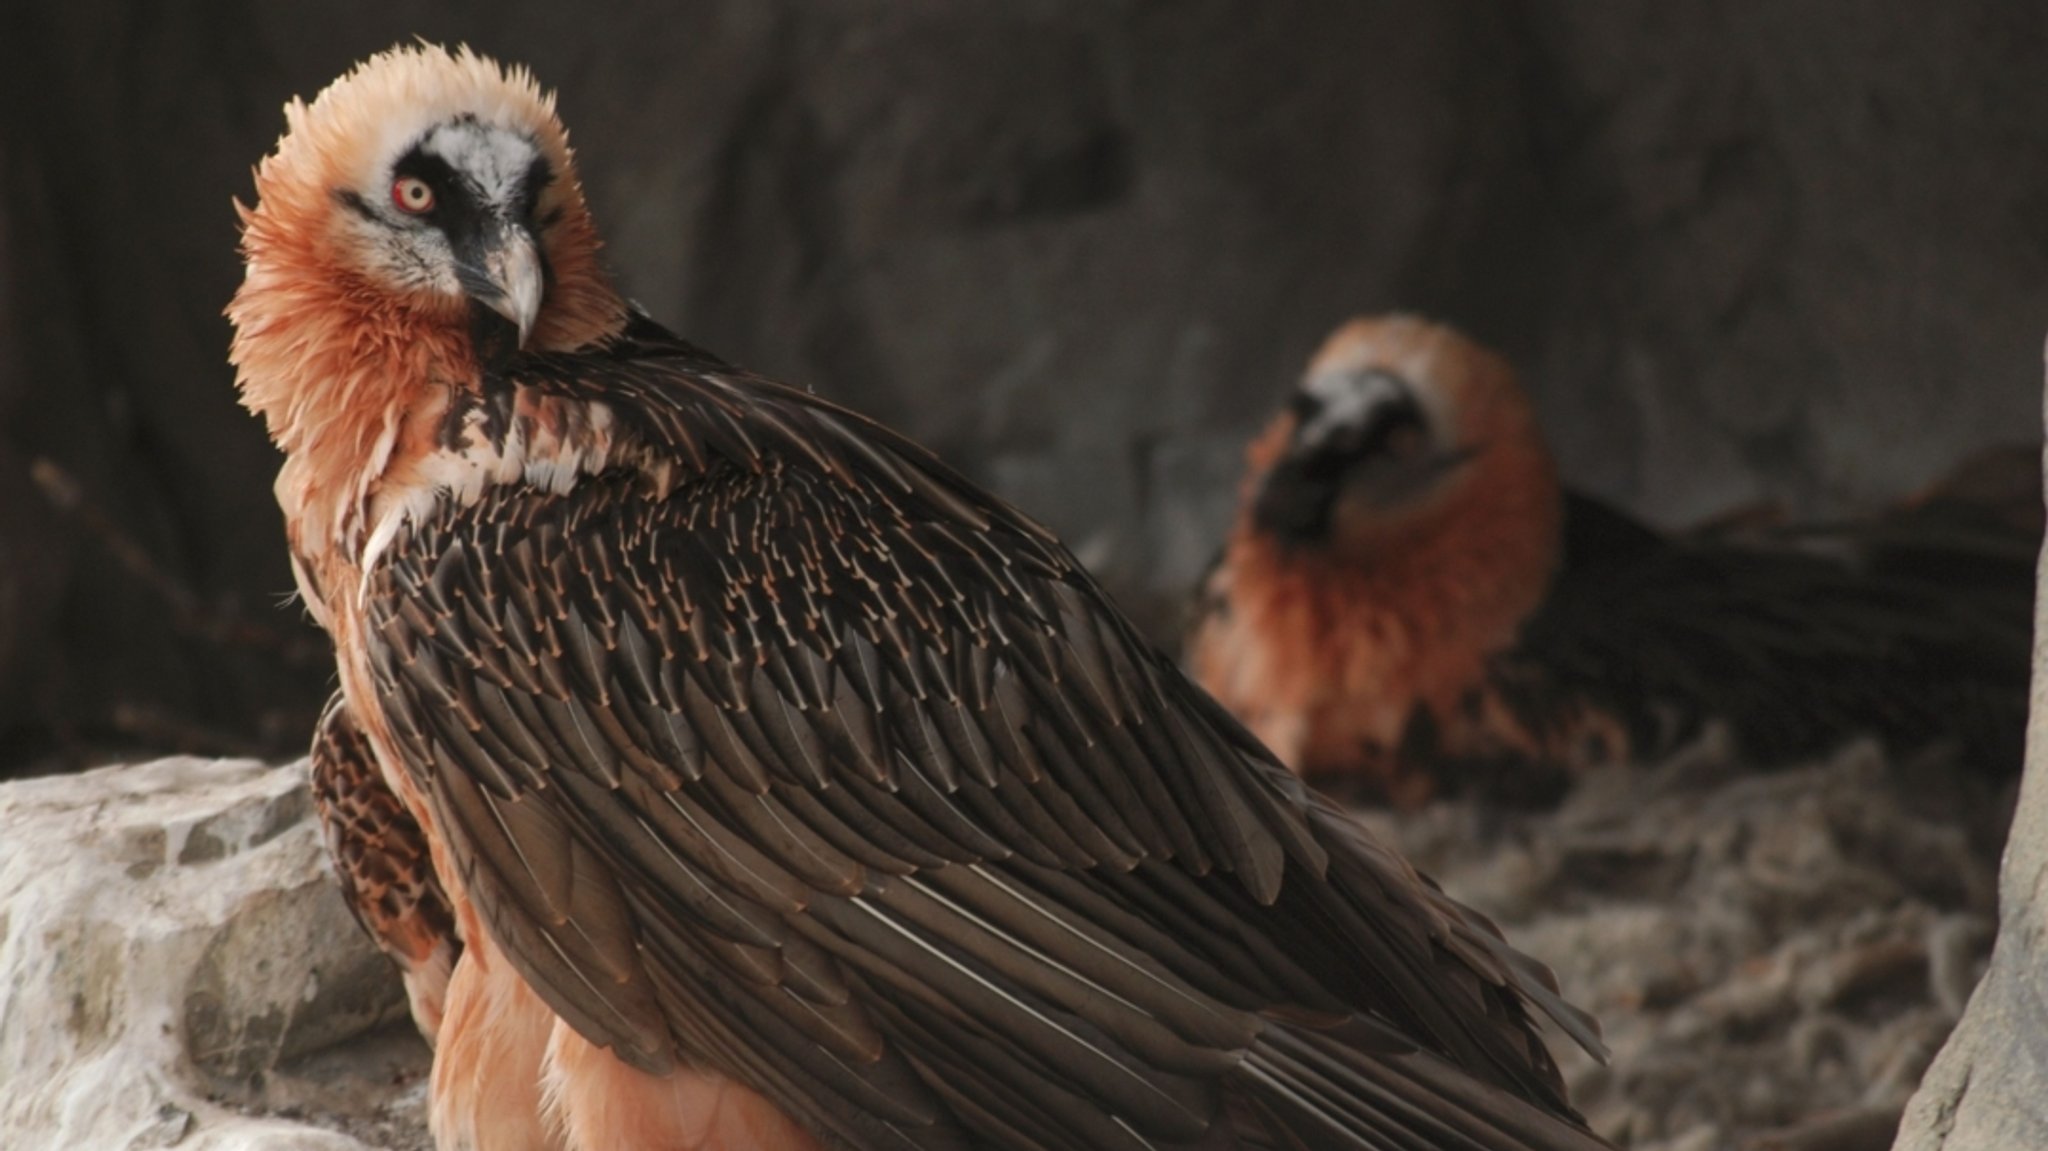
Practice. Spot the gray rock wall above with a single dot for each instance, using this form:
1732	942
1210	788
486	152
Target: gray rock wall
1988	1089
177	968
1079	246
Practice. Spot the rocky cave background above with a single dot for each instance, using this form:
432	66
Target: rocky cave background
1788	252
1081	247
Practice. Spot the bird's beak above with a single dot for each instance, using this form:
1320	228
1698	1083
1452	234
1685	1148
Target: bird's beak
507	277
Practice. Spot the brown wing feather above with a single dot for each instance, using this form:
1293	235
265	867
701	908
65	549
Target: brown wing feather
381	857
1913	627
833	773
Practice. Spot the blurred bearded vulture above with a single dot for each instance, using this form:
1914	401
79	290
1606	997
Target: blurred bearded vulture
1411	602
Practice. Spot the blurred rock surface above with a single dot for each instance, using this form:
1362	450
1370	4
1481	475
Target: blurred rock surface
1775	958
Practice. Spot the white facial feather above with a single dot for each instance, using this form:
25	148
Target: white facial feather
410	255
495	159
403	255
1346	397
1349	388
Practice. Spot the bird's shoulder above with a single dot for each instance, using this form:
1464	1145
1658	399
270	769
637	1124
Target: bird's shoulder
715	530
649	400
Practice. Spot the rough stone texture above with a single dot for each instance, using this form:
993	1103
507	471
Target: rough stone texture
1774	957
177	969
1079	246
1989	1087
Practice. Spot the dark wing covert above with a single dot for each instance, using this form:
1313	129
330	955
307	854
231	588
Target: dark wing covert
813	763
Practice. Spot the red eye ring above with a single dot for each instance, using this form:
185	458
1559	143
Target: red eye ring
412	195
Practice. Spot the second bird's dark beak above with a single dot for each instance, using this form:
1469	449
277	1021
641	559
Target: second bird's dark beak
502	270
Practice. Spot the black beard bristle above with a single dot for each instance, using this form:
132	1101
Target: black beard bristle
493	338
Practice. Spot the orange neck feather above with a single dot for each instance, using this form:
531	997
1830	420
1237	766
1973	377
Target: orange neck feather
338	367
333	364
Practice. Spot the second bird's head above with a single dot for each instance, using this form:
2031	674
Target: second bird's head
1394	418
431	184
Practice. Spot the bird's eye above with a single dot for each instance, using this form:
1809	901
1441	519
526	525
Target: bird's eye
412	195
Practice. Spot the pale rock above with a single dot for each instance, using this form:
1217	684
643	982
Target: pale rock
1988	1087
177	969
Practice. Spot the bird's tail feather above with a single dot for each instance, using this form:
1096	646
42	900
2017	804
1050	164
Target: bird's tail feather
1364	1087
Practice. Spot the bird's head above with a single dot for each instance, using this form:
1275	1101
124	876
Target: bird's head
1394	419
425	200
